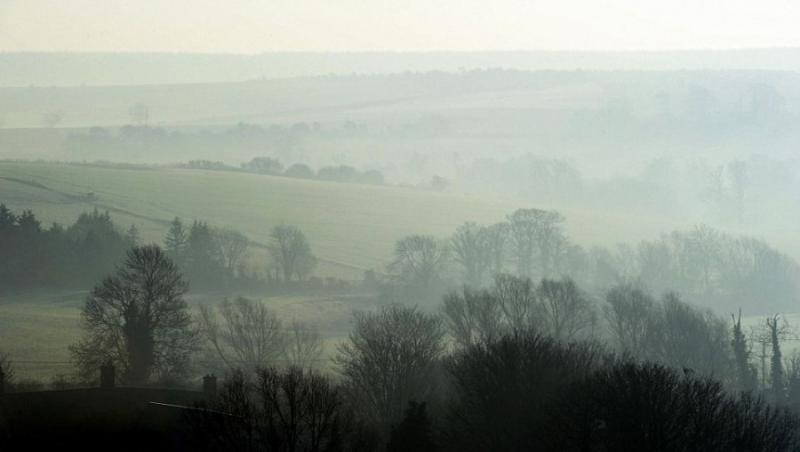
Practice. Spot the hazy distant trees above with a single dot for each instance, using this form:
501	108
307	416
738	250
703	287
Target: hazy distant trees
204	259
300	171
233	248
670	332
176	241
244	333
629	316
419	260
535	235
263	165
704	264
304	345
472	249
208	256
138	319
390	359
515	306
291	252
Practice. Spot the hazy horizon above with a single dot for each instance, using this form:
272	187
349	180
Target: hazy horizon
250	27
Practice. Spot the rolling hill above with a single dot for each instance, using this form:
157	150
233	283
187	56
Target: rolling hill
351	227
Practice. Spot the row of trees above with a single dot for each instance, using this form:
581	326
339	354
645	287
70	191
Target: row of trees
702	263
81	253
211	256
58	256
341	173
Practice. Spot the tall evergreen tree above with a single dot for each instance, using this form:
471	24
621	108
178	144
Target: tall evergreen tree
776	364
176	241
745	372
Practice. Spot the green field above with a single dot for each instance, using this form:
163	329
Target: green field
351	228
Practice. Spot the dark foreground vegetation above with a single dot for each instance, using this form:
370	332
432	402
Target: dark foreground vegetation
519	392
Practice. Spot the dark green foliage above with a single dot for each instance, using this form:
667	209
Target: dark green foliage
204	261
57	257
746	375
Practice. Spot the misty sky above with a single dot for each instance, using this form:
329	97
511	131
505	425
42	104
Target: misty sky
252	26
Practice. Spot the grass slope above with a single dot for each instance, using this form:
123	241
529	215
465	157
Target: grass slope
350	227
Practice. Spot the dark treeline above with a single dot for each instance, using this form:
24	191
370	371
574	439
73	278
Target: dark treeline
210	258
58	256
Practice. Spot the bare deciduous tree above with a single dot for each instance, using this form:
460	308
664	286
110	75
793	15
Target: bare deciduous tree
629	313
472	250
472	317
139	319
244	333
418	260
517	299
291	252
568	313
535	235
304	346
388	360
233	246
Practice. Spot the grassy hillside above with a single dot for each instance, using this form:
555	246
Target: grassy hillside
350	227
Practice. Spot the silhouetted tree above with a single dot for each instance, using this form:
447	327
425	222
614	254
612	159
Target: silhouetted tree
746	377
500	393
138	318
388	360
777	388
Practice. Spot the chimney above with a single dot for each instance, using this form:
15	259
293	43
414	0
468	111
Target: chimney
210	386
107	375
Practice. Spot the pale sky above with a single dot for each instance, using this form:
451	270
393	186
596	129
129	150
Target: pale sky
253	26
